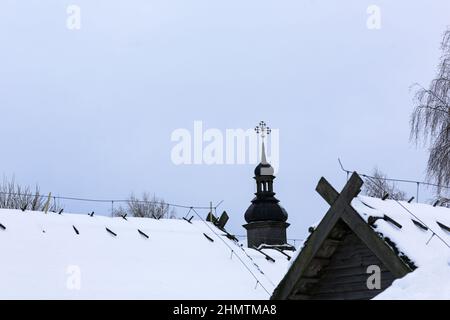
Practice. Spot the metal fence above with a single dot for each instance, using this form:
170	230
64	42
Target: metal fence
420	187
24	201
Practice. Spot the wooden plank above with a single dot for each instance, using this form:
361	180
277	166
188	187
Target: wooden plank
304	287
315	267
339	231
352	188
419	225
208	237
143	234
268	258
111	232
354	280
326	252
283	253
356	295
188	220
377	245
310	280
349	288
392	221
326	190
300	297
332	242
223	220
443	226
337	266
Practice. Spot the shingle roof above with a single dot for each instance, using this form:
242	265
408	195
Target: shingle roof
418	231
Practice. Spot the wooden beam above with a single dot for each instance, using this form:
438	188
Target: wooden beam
326	190
310	279
268	258
352	188
332	242
299	297
221	223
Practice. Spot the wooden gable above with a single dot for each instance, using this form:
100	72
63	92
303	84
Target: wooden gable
333	263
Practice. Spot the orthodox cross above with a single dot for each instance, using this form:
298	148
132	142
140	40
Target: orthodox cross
263	130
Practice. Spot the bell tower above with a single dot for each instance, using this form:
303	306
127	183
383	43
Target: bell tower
266	218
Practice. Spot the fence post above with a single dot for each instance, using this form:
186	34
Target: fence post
47	204
112	208
418	186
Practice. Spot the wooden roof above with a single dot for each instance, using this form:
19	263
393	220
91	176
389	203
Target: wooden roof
329	234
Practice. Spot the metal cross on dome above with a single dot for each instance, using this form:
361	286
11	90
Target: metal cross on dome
263	130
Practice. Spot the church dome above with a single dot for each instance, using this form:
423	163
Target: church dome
264	169
266	211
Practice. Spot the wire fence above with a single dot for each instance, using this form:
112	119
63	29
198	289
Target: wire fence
418	185
376	180
25	201
409	212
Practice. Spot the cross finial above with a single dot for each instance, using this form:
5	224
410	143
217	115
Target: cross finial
263	130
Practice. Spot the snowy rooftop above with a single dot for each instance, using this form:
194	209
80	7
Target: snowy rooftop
421	234
69	256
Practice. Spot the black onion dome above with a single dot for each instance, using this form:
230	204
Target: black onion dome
265	211
264	169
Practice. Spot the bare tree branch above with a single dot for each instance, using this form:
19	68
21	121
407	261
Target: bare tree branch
430	120
377	187
14	196
146	207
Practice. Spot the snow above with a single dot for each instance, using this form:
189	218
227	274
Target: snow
417	244
430	282
43	258
429	250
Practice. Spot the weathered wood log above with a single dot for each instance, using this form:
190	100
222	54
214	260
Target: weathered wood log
268	258
111	232
208	237
143	234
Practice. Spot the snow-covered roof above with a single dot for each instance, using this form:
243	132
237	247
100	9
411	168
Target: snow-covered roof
70	256
420	234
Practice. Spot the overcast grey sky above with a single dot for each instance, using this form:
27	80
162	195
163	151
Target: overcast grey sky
90	112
